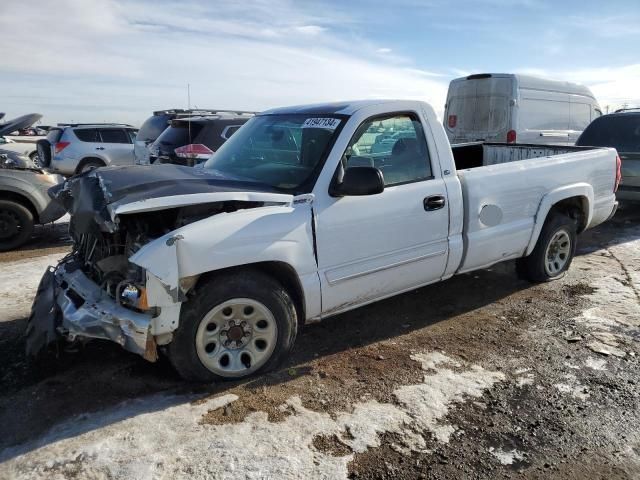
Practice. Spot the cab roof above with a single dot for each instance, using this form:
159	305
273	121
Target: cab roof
332	108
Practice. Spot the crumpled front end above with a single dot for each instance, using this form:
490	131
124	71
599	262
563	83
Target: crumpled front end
99	291
70	305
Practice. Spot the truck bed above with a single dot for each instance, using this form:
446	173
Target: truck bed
479	154
504	187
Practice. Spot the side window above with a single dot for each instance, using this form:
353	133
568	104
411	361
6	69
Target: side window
87	135
132	134
114	135
580	116
230	130
536	114
396	145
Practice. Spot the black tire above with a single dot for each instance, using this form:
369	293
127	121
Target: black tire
16	224
89	164
43	148
535	267
35	158
249	284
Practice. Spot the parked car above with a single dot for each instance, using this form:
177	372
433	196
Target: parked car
22	145
192	140
159	122
221	265
621	131
27	149
24	201
75	148
509	108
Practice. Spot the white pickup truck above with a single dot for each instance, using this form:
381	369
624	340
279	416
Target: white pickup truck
304	213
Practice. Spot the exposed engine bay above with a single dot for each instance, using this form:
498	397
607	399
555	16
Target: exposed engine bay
104	241
97	291
103	255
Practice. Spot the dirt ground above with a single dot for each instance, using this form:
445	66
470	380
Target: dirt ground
480	376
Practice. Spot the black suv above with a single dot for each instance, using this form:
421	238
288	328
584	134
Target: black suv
620	130
192	140
159	122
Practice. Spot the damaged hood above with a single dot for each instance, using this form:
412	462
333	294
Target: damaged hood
101	195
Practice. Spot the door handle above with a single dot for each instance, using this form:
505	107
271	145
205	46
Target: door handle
434	202
99	148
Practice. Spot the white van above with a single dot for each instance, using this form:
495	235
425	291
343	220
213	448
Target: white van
499	107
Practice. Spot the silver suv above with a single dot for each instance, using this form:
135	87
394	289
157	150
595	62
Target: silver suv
77	148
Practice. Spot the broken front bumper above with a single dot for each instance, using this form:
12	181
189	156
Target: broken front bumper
78	307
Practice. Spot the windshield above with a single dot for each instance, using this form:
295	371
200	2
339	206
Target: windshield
283	151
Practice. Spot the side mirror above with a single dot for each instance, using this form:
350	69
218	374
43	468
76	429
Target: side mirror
358	181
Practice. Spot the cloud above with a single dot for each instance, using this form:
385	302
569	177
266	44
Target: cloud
310	29
111	61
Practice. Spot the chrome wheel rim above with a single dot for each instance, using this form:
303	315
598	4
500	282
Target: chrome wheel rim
557	254
236	337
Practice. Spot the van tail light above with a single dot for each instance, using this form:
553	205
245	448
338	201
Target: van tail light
61	146
511	136
618	173
453	121
195	151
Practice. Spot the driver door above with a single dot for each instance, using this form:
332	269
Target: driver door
374	246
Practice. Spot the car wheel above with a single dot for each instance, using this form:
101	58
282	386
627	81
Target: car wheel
553	252
236	325
35	158
16	224
43	148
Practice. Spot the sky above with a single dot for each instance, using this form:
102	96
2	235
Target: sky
119	60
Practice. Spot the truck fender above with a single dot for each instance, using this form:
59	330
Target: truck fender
269	234
583	190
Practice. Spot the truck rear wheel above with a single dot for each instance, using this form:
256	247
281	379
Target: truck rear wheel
236	325
553	252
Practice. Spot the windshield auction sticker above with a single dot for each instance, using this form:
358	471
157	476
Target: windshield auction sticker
326	123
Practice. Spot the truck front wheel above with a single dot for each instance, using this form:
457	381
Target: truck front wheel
235	325
553	252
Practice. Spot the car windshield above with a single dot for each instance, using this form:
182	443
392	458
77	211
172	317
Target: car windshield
283	151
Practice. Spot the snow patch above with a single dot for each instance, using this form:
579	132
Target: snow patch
525	380
19	283
573	387
507	457
163	437
428	402
596	363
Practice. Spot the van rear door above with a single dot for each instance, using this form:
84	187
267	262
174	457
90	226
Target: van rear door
478	109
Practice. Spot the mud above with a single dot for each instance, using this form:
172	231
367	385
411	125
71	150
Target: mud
556	410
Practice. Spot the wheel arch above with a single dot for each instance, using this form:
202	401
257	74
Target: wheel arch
280	271
86	160
22	200
575	201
